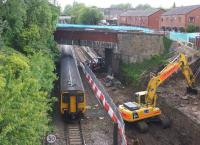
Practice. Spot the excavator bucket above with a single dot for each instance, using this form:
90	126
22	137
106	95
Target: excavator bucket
192	91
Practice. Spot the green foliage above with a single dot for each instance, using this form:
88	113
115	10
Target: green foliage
143	7
192	28
76	11
174	5
24	86
182	29
2	26
122	6
167	44
14	13
90	15
83	15
67	10
137	70
26	18
26	75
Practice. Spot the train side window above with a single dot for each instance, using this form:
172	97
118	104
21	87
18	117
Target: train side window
81	99
65	99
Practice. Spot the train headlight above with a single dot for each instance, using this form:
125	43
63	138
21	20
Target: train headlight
81	99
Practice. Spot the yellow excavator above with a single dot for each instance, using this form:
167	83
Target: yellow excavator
144	108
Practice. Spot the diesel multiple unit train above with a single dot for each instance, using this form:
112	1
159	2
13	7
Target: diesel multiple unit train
72	94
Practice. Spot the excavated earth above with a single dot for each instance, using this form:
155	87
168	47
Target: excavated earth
181	108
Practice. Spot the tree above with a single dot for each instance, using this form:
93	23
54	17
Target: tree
67	10
192	28
122	6
76	11
174	5
143	7
82	14
13	12
24	86
90	15
2	27
21	16
26	75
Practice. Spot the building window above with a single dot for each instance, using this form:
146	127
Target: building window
179	19
161	19
171	19
191	19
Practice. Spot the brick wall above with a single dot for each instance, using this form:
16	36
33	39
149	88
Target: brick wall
179	21
173	21
154	20
135	47
196	15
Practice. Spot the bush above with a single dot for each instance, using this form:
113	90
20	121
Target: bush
182	29
137	70
26	75
24	86
167	44
192	28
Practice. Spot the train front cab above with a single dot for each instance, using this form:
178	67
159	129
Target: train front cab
73	105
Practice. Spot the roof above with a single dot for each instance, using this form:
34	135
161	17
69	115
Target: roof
147	12
70	78
100	28
181	10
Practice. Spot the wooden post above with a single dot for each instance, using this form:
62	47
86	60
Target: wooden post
115	134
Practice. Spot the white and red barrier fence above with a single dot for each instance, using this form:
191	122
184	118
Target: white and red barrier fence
106	101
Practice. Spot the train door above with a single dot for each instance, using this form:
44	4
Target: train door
73	104
108	58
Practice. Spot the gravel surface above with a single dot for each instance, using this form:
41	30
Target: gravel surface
97	125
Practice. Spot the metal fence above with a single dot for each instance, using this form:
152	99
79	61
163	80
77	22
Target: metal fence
106	101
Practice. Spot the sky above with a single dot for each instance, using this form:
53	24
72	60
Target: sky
153	3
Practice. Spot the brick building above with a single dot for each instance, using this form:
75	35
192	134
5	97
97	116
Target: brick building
180	17
111	14
149	18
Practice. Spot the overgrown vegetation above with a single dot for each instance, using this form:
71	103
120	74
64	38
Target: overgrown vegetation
136	71
192	28
27	54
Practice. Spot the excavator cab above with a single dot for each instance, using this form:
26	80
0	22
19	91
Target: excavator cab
139	97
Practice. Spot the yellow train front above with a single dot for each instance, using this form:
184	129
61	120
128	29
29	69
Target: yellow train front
72	98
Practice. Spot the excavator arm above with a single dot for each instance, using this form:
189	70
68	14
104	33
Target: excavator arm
178	63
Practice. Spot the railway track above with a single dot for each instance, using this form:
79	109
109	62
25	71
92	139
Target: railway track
74	134
69	134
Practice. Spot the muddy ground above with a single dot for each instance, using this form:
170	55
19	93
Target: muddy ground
97	126
185	128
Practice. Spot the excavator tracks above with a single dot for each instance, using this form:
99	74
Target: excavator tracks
74	134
